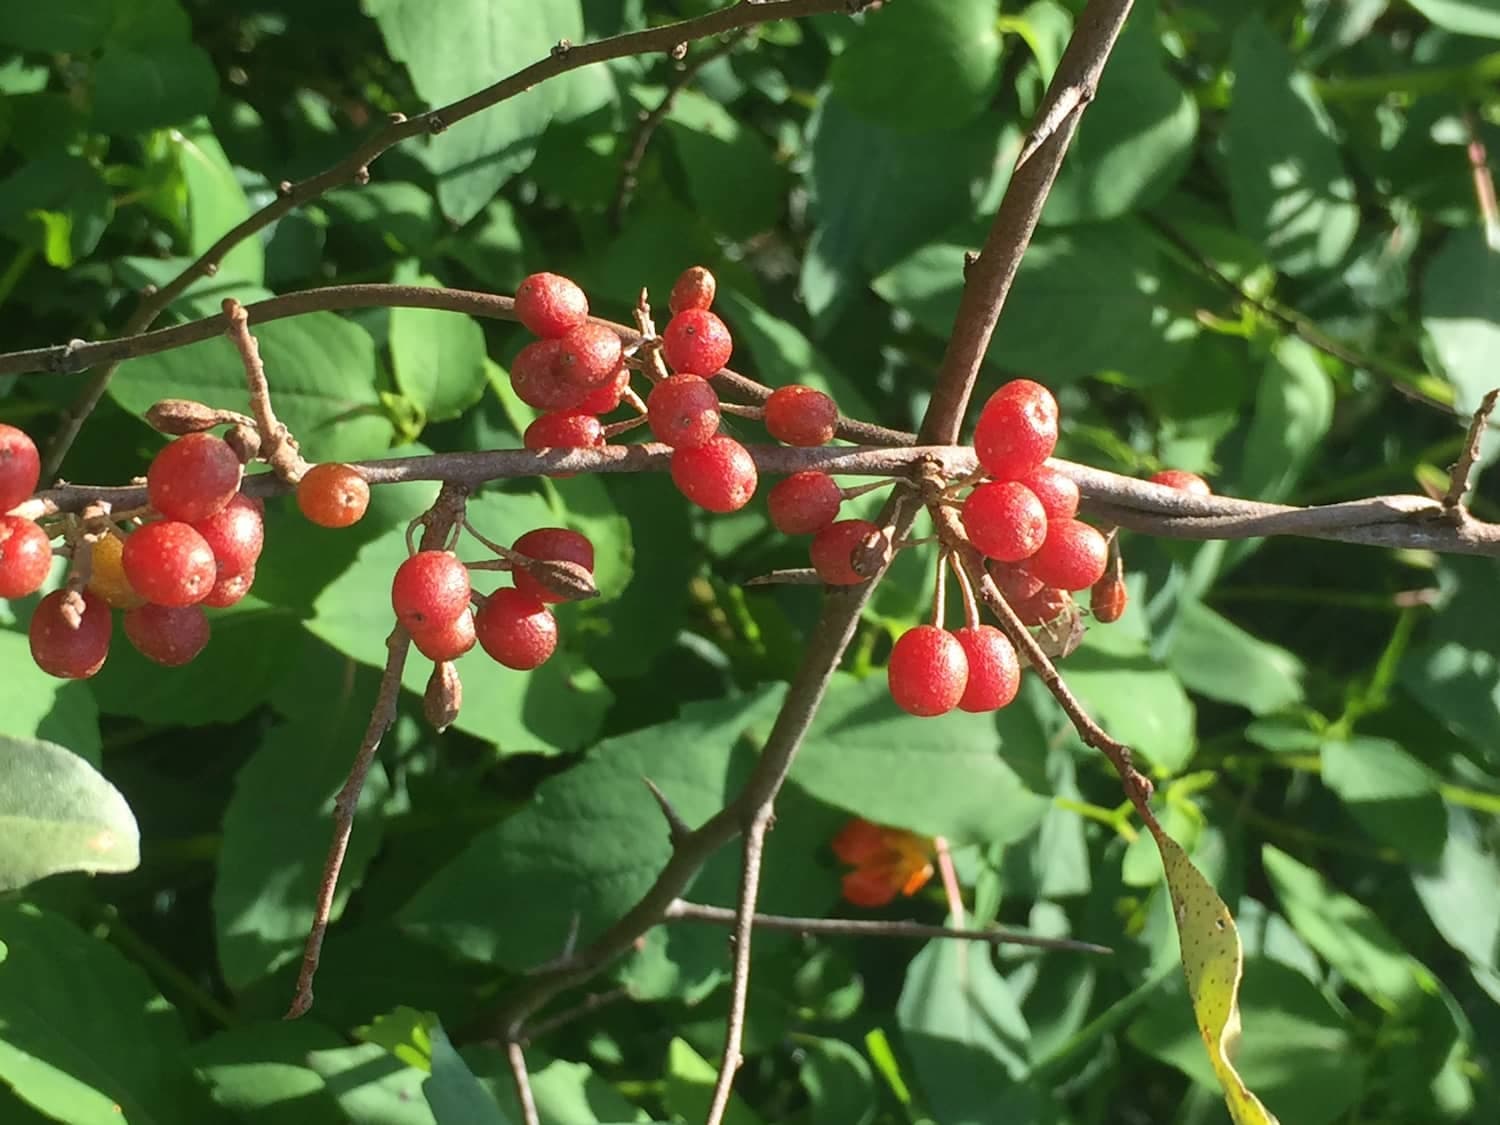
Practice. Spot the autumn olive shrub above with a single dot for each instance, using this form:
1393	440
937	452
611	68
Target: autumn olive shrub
788	561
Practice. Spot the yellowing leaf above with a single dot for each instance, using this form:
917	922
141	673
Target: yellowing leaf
1213	962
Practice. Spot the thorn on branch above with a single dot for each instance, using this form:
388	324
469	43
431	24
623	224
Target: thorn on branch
561	48
677	828
436	125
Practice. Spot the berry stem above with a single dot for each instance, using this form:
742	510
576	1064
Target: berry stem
615	429
278	447
940	590
966	589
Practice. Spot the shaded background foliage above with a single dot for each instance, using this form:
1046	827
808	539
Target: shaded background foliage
1327	746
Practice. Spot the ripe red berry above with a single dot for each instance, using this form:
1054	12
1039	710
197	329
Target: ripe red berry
169	635
20	467
696	342
25	557
1108	599
683	411
1047	604
430	589
1015	581
994	670
107	574
928	671
333	495
805	503
230	589
235	534
447	641
1005	520
833	551
1181	479
193	477
63	650
1057	491
550	304
588	356
169	563
694	289
553	544
602	400
1017	429
1073	556
516	630
564	430
801	415
719	475
534	378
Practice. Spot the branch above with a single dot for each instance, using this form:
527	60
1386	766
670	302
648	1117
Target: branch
743	920
1463	468
517	1057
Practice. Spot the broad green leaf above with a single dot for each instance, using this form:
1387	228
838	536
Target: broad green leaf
839	1082
732	177
139	89
36	705
57	813
1465	17
67	25
922	65
1141	864
939	777
321	369
1133	697
1344	932
1460	893
438	357
1214	657
259	1072
1286	180
58	204
1461	311
453	1094
372	1087
565	1092
690	1086
114	1052
1392	795
1293	410
216	203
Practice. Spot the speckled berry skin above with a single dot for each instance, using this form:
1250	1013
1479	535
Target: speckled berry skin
516	630
25	557
1057	491
801	416
333	495
928	671
1017	429
230	590
1005	520
534	378
447	641
169	563
1108	599
567	429
549	304
683	411
167	635
107	574
235	534
696	342
588	357
1072	557
430	588
20	466
833	548
63	651
606	398
805	503
193	477
694	289
553	544
1183	481
994	669
719	475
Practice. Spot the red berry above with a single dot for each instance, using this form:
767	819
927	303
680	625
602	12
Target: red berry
602	400
1005	520
564	430
20	467
549	304
25	557
333	495
683	411
553	544
833	551
1015	581
516	630
1108	599
1017	429
1181	479
801	415
235	535
534	378
430	589
230	589
588	356
719	475
696	342
61	649
169	563
169	635
447	641
928	671
994	670
1057	491
193	477
805	503
107	574
1073	556
694	289
1047	604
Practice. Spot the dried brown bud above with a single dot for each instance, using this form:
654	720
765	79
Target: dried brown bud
179	416
566	580
444	696
872	555
72	607
245	441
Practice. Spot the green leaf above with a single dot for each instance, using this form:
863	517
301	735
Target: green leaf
1392	795
372	1087
395	215
921	65
58	204
1214	657
565	1092
453	1094
1133	697
732	176
67	25
321	369
114	1052
1286	181
140	89
1293	411
1464	17
57	813
939	777
839	1082
216	203
259	1072
438	357
36	705
690	1087
1460	893
1461	312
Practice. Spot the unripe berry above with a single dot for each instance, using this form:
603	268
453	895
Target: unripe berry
1073	556
719	475
447	641
805	503
107	574
1108	599
696	342
549	304
603	400
588	357
994	670
1184	481
683	411
564	430
1005	520
429	589
25	557
928	671
235	534
1057	491
534	378
20	467
193	477
1046	605
801	416
694	289
230	589
516	630
170	636
333	495
553	544
1015	581
169	563
833	551
63	649
1017	429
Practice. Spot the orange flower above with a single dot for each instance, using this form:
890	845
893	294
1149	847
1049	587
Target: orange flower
885	861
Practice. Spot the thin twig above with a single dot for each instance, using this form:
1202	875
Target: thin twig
1484	182
277	445
517	1056
1463	468
739	983
587	1006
